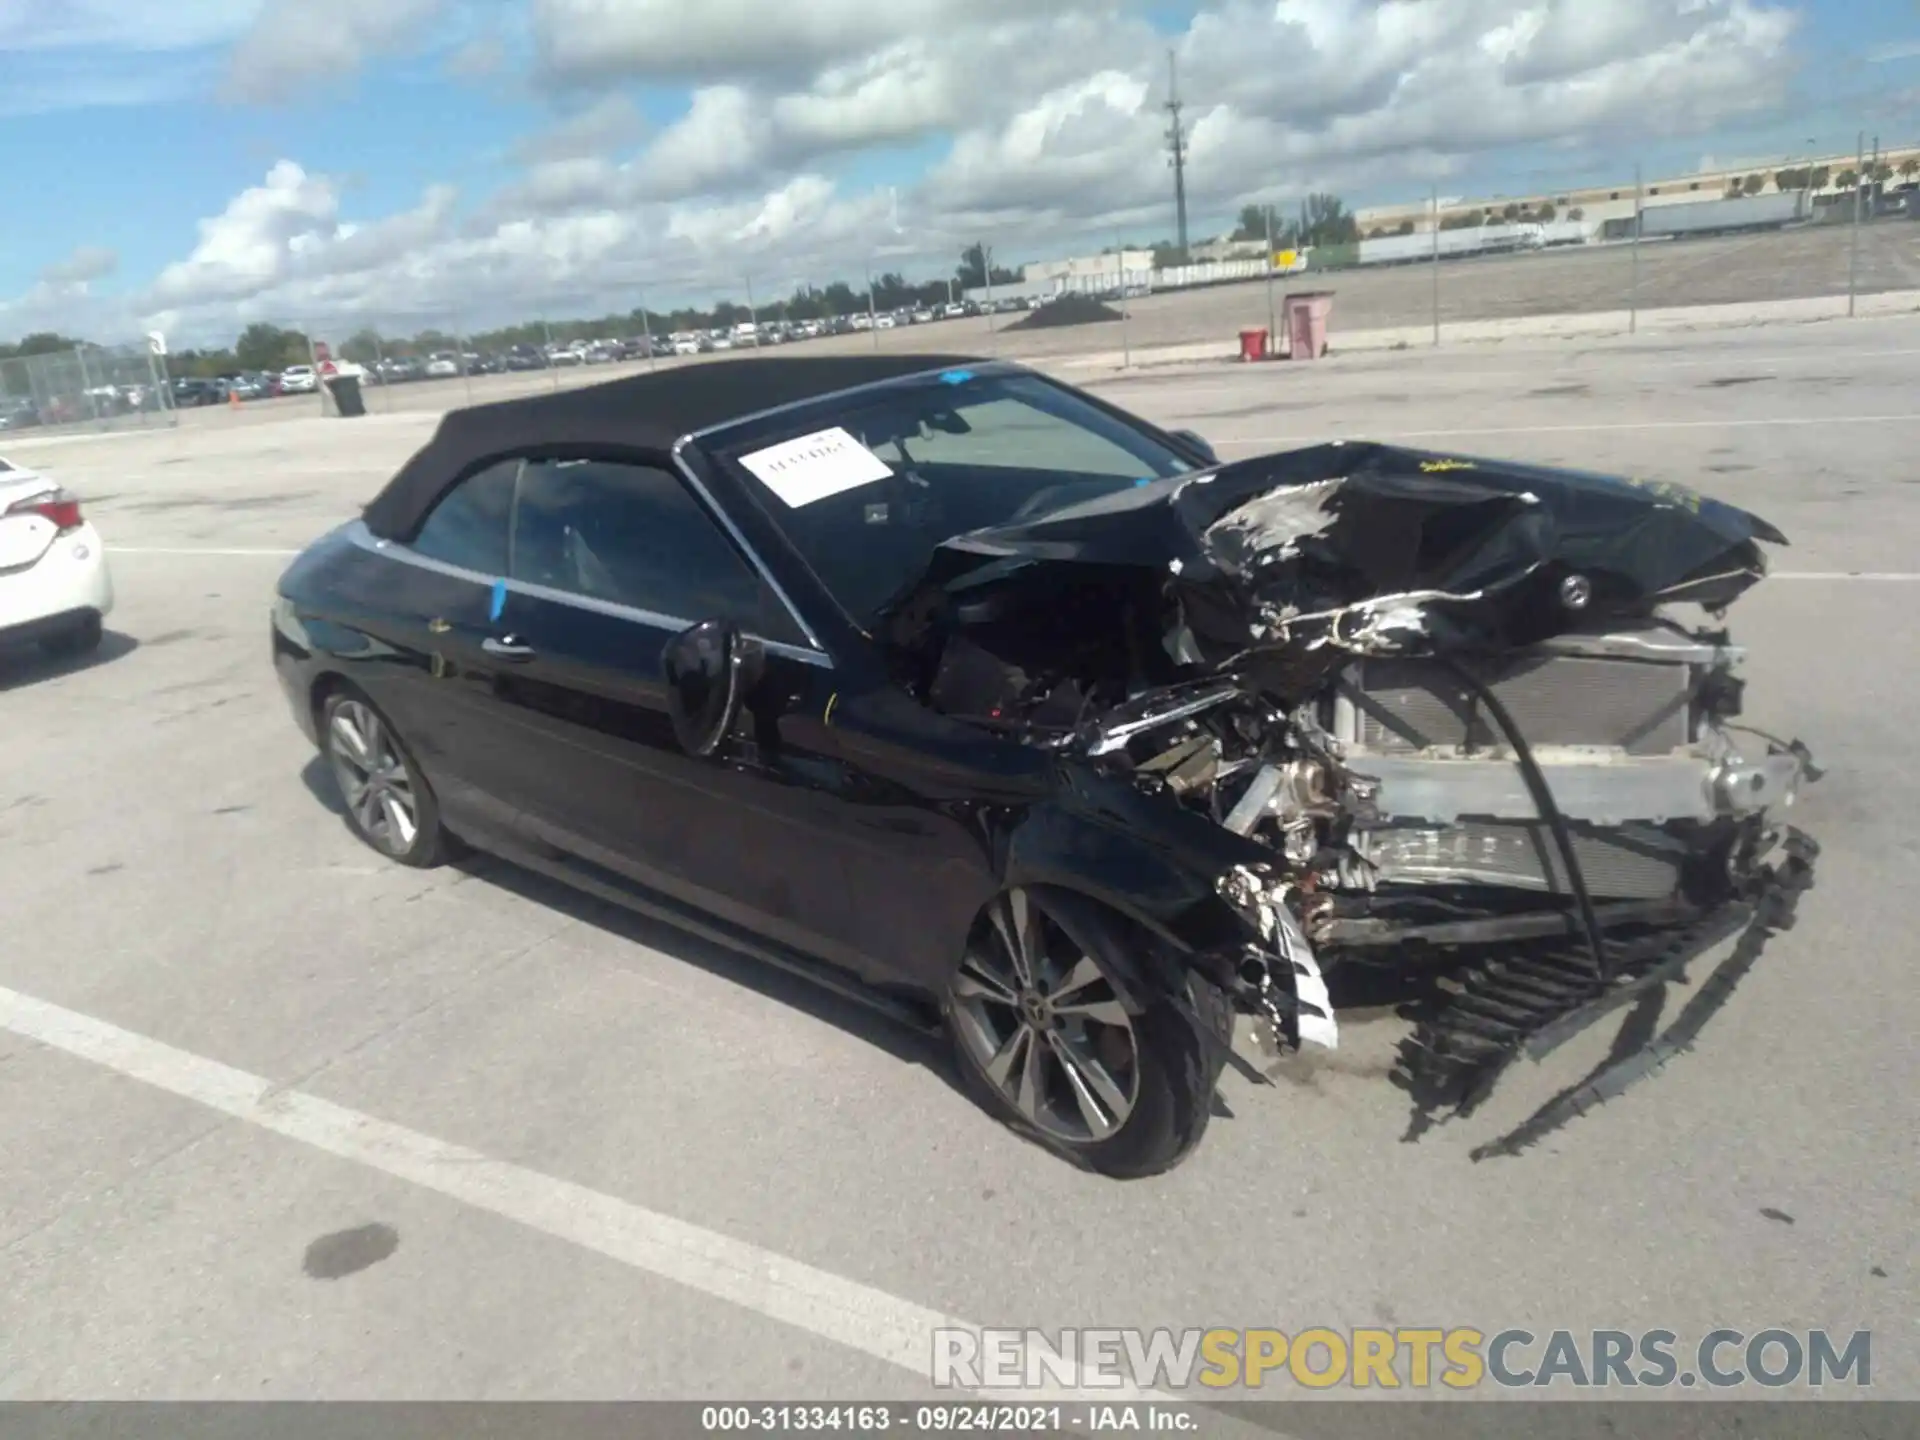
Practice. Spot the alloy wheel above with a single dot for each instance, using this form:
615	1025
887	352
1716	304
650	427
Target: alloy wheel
1044	1024
373	779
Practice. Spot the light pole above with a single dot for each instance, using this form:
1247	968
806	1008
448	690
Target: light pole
1859	204
1272	338
1633	294
1436	265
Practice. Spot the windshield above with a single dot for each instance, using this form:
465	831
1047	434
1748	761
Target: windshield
868	486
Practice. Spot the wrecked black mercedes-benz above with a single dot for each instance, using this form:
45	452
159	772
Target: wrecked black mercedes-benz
972	695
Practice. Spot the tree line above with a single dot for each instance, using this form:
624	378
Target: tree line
263	347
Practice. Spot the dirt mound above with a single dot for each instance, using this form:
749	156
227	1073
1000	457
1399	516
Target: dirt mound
1067	310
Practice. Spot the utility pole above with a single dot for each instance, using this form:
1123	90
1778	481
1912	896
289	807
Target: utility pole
1859	206
1177	145
1633	293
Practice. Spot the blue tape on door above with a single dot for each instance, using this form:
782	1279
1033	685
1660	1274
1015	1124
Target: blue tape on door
499	600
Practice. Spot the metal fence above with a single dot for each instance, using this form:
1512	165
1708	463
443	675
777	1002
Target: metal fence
1612	251
95	387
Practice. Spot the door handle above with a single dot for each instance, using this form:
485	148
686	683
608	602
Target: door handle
507	649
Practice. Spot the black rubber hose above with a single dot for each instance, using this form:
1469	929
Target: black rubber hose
1549	812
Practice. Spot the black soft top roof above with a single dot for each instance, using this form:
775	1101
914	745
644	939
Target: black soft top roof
641	415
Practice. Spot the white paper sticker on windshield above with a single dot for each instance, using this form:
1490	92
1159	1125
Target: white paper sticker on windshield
816	466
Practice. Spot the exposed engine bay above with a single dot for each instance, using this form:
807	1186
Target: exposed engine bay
1452	703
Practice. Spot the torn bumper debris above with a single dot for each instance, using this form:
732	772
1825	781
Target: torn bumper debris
1444	708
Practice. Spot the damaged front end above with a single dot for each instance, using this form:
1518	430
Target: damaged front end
1454	704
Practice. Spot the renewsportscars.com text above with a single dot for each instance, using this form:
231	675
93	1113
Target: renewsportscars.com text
1406	1358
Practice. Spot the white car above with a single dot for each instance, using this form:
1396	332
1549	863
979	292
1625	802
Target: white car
54	585
443	366
299	380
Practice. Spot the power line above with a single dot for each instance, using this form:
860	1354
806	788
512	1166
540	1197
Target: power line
1177	142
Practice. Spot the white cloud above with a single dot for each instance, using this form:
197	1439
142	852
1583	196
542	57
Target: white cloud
610	123
717	39
115	25
62	55
1048	124
480	58
288	231
82	267
295	44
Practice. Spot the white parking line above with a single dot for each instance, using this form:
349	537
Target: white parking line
1845	575
1641	361
844	1311
190	550
1595	425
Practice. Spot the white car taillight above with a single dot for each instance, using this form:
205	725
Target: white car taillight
62	508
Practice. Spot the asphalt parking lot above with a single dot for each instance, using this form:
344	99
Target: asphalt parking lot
282	1121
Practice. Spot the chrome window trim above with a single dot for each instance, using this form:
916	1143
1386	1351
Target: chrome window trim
753	556
852	390
359	535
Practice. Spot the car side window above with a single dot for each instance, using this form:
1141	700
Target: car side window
634	535
469	525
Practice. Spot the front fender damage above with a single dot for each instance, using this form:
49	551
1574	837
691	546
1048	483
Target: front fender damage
1279	976
1376	712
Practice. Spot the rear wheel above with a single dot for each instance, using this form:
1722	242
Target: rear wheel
83	638
1043	1039
388	801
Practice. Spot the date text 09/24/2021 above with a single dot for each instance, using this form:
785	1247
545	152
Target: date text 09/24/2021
948	1418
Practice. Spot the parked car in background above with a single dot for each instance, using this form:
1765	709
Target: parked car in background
299	380
443	365
18	413
525	357
190	391
55	589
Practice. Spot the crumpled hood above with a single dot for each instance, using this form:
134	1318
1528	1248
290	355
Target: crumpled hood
1446	546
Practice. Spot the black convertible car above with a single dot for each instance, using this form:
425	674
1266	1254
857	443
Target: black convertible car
968	694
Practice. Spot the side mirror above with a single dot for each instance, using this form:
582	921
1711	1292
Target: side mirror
709	668
1197	442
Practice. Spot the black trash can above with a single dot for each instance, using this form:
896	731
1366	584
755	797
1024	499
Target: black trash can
347	399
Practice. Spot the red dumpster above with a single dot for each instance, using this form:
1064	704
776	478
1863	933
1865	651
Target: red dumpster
1253	344
1306	322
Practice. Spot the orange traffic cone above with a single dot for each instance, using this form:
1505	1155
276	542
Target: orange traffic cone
233	398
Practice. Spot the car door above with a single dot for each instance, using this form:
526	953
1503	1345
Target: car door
610	561
432	673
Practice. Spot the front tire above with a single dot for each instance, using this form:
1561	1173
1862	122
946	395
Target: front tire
389	804
1042	1039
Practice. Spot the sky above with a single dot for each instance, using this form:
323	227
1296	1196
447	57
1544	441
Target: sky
196	165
